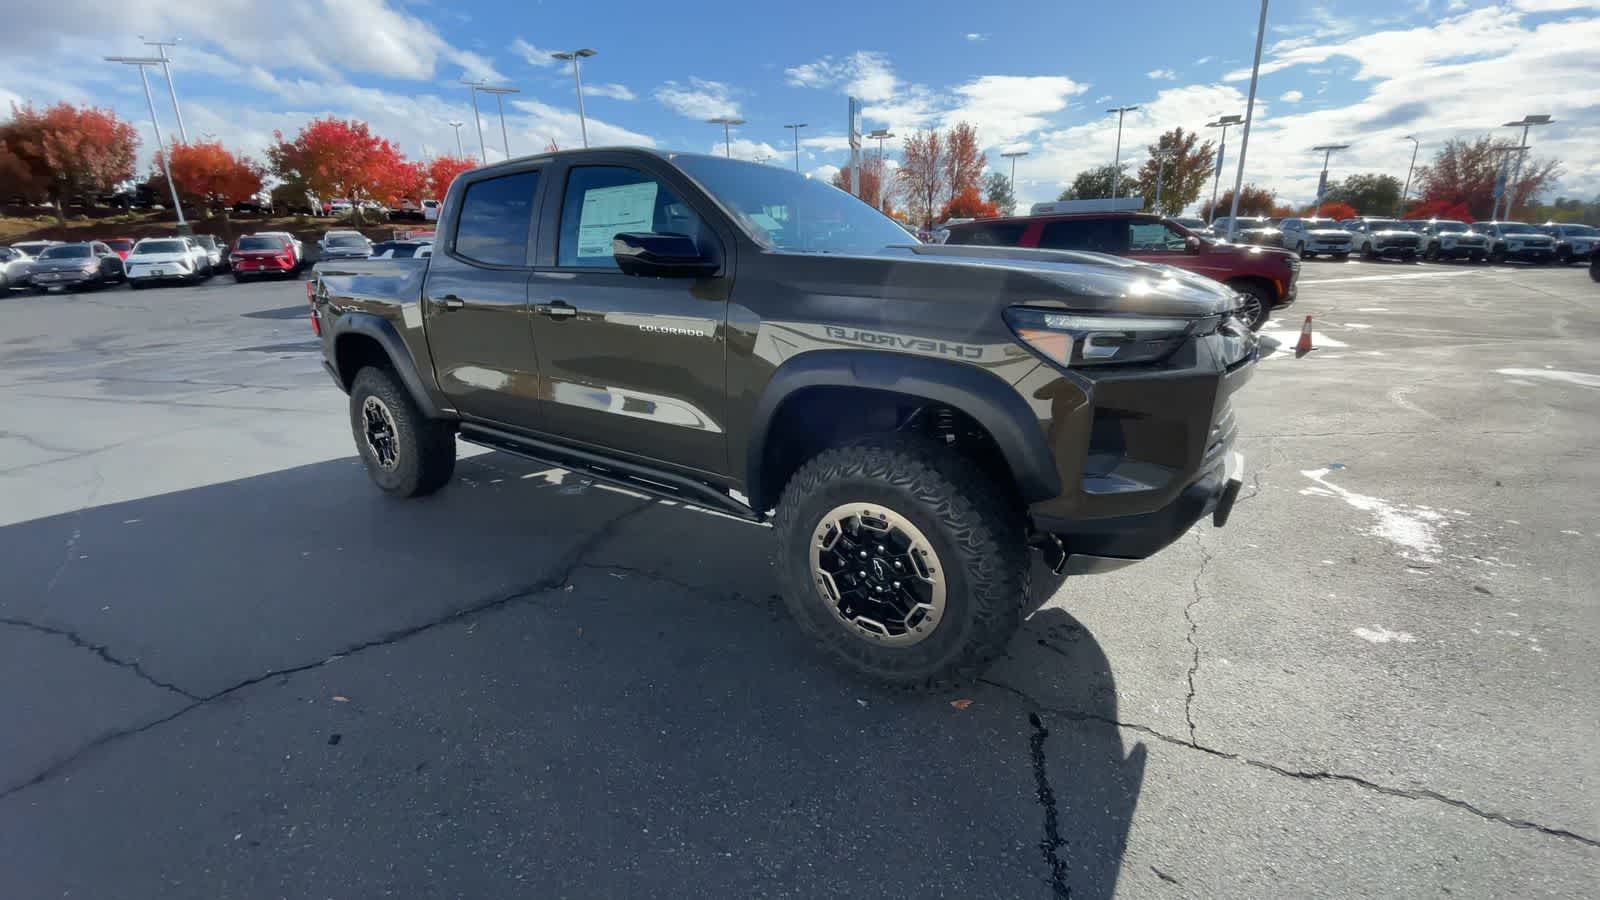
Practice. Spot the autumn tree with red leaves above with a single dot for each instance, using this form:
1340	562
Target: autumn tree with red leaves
1254	200
64	152
963	162
1337	210
968	205
936	168
337	158
872	183
1440	209
209	175
1465	172
442	170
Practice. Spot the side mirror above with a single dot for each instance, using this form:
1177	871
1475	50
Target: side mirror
660	255
1192	244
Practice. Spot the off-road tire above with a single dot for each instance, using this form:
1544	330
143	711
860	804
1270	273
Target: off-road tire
425	449
976	531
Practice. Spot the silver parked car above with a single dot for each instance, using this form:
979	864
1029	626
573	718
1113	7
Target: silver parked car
1377	238
1450	239
1310	236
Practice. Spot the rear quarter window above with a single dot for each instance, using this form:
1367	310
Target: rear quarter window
999	234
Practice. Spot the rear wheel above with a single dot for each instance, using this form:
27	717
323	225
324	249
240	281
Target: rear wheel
902	560
1366	252
1255	304
1564	256
407	454
1497	255
1341	257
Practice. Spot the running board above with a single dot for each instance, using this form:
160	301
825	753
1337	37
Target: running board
632	476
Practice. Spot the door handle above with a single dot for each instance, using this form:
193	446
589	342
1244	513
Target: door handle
450	301
558	309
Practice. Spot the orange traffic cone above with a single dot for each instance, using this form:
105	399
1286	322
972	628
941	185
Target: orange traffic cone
1304	346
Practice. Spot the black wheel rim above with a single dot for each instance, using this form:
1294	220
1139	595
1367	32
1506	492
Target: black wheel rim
878	574
378	428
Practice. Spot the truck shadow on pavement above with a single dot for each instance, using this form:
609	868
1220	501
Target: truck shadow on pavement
525	685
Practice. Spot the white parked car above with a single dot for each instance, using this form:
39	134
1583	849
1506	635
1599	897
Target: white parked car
430	210
158	260
1452	239
1309	236
13	267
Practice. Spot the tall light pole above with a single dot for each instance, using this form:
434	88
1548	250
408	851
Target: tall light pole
1526	123
795	127
460	151
1224	122
880	135
577	57
166	166
498	92
1116	163
1249	116
1014	156
1415	146
727	123
1322	182
161	51
477	120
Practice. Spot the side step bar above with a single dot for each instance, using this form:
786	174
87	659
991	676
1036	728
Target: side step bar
633	476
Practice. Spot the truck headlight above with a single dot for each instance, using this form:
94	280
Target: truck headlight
1077	339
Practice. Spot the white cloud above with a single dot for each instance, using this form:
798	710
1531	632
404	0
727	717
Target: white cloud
475	67
824	172
700	99
976	36
866	75
1005	107
1162	75
827	142
1101	99
755	151
614	91
533	56
541	123
1292	97
1203	60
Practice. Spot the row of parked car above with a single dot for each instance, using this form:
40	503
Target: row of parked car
1375	237
182	259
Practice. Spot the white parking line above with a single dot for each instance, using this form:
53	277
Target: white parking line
1402	277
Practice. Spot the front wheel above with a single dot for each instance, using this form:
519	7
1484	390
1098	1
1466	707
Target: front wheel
1255	304
1497	256
1341	257
1564	257
407	454
902	560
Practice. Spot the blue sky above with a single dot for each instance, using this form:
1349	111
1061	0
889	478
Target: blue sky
1031	76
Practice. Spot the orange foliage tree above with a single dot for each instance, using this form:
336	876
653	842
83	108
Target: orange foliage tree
968	205
64	152
337	158
442	170
1440	209
1337	210
872	182
1254	200
208	174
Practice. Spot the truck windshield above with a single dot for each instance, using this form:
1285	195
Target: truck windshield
346	240
1517	228
144	247
1579	230
260	243
786	211
1449	227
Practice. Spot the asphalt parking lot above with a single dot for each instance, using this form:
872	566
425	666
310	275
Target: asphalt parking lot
229	667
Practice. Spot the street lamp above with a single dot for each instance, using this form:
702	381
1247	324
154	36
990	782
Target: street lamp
161	51
577	57
727	122
1415	146
166	165
1526	123
1014	156
1224	122
1322	183
498	92
1116	164
880	135
795	127
1249	116
460	151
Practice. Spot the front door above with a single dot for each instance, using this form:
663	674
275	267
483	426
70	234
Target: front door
628	363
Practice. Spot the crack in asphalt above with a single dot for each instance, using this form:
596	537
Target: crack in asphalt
1194	627
100	650
1052	842
1300	774
569	563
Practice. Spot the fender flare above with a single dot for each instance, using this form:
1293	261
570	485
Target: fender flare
980	394
383	331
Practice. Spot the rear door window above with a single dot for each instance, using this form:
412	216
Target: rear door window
1155	237
496	219
996	234
1096	235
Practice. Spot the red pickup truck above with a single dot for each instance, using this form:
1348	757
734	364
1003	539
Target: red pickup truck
1264	277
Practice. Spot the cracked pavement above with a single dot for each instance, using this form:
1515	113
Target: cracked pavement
230	668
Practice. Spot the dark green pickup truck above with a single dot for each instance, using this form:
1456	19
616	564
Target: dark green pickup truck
913	419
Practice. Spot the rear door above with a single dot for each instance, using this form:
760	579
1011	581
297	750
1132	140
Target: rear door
475	301
630	364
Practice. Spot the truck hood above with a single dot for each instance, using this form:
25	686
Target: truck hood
159	259
1328	233
1069	279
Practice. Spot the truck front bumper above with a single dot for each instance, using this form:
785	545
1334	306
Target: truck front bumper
1143	453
